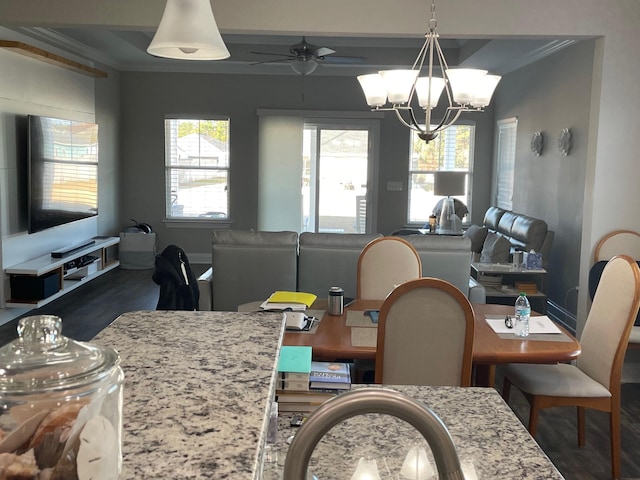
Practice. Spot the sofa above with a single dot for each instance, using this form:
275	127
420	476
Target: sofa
248	266
504	232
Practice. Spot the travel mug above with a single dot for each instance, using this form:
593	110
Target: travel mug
336	301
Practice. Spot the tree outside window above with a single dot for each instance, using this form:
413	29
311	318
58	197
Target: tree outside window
452	150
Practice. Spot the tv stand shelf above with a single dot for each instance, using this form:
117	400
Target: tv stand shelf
62	280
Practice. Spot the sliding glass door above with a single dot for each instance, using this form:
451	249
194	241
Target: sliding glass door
337	165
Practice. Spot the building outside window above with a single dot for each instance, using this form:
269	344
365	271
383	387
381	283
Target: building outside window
452	150
197	168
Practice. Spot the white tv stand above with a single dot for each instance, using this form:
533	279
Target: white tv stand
69	279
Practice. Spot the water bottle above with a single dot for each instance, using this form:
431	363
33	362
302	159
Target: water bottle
523	312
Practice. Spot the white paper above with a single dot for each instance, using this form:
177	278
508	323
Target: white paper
537	324
299	307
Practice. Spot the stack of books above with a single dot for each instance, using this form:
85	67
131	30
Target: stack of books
304	385
333	376
530	288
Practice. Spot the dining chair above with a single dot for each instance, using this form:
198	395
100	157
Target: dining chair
593	381
425	335
383	264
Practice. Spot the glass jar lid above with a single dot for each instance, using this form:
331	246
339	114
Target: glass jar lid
42	359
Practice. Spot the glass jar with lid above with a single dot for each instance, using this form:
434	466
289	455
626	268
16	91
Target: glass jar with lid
60	405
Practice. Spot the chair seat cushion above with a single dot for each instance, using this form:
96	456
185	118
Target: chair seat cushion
559	380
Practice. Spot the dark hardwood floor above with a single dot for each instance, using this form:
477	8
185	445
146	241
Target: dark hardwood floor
92	307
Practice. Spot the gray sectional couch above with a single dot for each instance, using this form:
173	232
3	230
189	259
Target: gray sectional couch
248	266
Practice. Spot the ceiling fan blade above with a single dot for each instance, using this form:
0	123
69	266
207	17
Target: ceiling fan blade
276	60
278	54
343	59
322	51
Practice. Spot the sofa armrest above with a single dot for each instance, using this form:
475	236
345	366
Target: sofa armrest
205	284
477	292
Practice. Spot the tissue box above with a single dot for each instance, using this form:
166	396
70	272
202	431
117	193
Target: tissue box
533	261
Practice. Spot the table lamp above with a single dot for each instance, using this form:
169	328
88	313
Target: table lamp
447	184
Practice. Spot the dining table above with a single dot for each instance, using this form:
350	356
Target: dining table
333	338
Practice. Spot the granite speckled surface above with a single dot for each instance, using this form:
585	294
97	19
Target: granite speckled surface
197	391
485	431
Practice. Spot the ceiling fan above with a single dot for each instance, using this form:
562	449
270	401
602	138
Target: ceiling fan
304	57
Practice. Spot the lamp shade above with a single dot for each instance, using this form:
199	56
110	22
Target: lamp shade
449	183
304	67
424	86
464	83
373	88
399	84
188	31
484	91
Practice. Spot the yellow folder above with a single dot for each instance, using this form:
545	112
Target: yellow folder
292	297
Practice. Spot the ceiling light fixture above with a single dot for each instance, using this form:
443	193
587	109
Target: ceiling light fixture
304	66
468	90
188	31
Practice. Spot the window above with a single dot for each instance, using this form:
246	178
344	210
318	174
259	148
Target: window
452	150
505	159
335	175
197	168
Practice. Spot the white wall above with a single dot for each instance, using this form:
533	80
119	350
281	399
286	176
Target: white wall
31	86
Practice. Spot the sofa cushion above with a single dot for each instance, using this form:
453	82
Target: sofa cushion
477	235
529	232
443	256
249	266
492	217
330	259
495	249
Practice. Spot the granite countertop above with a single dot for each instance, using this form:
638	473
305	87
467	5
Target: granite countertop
198	387
485	431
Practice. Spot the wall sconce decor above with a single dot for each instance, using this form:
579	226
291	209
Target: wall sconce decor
537	143
564	142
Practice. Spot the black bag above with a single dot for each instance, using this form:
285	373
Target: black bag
178	285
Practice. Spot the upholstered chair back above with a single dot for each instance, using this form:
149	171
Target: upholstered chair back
385	263
606	331
425	335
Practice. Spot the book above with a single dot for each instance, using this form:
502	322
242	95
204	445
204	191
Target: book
294	359
297	407
334	372
283	396
295	385
284	300
292	297
332	385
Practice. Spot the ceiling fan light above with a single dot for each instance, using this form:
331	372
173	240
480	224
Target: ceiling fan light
485	90
374	89
424	85
188	31
304	66
398	84
464	83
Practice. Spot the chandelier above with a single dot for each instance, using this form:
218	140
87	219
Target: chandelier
467	89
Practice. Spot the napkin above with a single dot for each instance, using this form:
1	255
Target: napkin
537	324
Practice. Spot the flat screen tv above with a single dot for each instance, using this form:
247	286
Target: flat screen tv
63	171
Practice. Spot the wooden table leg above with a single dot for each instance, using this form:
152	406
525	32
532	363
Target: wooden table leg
484	375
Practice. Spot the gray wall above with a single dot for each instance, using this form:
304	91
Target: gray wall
548	96
148	97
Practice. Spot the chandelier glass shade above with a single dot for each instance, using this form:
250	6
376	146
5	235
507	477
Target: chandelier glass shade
467	89
188	31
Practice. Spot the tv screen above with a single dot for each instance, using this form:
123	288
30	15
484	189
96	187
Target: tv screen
63	171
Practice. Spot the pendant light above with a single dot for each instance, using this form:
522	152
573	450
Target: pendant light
188	31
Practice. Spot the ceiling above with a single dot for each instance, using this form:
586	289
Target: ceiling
125	50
